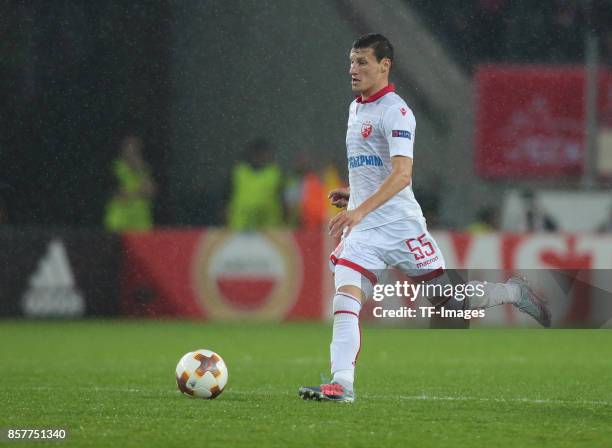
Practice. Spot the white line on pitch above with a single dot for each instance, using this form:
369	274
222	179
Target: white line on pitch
504	400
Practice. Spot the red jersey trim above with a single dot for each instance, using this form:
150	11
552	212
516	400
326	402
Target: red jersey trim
382	92
355	267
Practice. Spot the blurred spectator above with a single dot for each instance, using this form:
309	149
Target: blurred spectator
607	226
130	207
294	187
486	221
314	202
306	192
256	188
332	181
536	218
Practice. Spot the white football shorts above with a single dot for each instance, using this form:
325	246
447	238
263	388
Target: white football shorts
405	244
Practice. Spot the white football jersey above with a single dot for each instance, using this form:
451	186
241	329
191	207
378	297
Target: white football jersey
379	128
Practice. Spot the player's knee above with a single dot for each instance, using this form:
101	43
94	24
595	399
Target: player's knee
351	282
353	291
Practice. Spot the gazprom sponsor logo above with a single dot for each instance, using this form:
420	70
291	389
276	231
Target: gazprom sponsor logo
363	160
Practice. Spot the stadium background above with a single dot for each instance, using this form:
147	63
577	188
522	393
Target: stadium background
501	96
513	169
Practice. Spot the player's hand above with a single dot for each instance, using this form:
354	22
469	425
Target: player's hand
346	219
339	197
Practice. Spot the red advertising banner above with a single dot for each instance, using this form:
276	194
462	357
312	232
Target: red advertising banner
530	120
220	275
223	275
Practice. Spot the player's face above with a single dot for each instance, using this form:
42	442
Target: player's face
367	74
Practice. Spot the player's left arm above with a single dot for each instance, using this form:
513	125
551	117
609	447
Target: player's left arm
400	178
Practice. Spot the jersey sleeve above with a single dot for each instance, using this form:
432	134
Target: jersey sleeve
399	125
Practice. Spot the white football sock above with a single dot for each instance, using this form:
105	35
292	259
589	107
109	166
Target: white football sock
494	294
346	339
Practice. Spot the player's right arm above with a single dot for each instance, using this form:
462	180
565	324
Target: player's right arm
339	197
400	178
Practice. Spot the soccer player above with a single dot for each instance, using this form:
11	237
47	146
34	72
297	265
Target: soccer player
383	224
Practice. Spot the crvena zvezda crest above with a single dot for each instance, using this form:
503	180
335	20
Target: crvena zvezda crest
366	129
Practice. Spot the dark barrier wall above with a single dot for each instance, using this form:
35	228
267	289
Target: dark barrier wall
59	274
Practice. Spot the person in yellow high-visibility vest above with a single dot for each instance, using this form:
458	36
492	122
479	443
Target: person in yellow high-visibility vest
256	188
130	208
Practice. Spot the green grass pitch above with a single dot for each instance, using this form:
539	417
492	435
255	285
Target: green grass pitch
111	383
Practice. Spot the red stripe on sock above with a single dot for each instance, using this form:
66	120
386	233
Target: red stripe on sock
354	266
347	312
349	296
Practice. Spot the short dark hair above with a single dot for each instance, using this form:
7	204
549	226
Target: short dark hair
377	42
